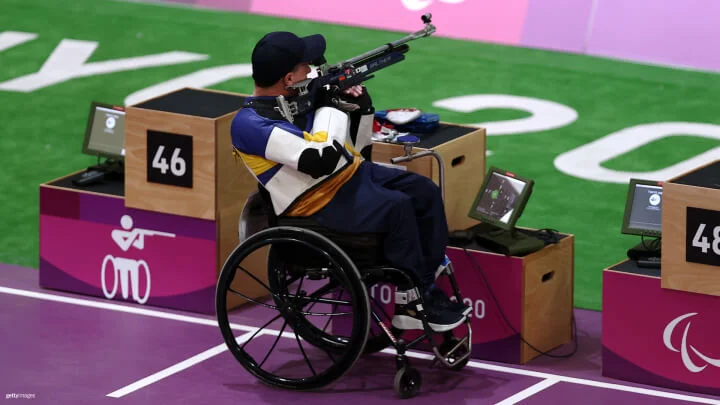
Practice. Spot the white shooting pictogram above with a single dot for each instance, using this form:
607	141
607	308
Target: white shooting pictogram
128	270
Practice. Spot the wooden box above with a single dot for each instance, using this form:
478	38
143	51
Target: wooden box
216	185
691	231
214	179
515	300
534	292
462	149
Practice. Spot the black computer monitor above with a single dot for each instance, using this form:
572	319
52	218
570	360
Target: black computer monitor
105	132
501	199
498	205
643	209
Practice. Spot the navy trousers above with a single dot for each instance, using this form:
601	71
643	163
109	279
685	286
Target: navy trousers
405	206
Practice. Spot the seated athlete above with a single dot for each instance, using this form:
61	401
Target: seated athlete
319	167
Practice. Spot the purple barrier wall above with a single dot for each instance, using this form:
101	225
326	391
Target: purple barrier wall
680	33
559	25
497	21
676	33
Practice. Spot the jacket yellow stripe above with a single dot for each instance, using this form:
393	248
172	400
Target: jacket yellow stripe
257	164
320	136
260	165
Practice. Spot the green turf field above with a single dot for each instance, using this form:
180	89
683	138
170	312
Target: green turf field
42	131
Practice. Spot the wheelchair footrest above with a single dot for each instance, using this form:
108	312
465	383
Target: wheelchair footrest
450	359
454	353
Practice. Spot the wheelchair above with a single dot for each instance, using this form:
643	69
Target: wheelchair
318	284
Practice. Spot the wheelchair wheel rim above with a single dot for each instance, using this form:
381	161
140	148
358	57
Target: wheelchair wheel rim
343	270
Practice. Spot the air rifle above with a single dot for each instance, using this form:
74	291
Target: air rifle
345	74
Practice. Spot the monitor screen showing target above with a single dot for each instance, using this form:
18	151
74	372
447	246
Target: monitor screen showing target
501	199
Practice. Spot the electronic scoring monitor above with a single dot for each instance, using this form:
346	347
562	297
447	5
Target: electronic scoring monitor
105	132
501	198
643	208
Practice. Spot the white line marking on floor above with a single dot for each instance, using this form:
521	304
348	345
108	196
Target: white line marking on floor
572	380
417	355
642	391
528	392
119	308
176	368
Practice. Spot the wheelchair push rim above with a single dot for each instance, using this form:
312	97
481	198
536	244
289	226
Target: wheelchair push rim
292	311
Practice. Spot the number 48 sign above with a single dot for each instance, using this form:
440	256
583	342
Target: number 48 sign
702	236
169	159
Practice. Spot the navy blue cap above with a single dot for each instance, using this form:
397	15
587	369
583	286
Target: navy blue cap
277	54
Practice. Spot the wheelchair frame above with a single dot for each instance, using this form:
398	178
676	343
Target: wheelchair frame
330	262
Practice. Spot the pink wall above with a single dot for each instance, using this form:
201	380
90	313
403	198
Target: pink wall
560	25
499	21
676	33
681	33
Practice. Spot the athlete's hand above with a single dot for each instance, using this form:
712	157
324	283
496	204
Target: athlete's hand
355	91
358	95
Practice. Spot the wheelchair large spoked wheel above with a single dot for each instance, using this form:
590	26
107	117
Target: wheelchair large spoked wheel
285	272
317	310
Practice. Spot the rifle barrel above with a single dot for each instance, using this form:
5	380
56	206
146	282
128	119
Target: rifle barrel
404	48
427	31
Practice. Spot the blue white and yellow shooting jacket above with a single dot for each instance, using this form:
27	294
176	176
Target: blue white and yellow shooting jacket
301	169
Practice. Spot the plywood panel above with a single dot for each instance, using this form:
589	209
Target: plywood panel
198	201
383	152
677	273
548	298
464	162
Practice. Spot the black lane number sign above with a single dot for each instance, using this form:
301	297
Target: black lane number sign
702	241
170	159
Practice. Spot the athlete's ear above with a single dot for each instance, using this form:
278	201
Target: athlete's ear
288	79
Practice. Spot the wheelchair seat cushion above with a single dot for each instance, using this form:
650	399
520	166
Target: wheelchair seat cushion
364	249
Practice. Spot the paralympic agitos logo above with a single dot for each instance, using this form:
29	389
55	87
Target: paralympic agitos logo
684	345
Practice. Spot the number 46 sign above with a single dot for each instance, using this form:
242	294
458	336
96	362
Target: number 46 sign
702	236
170	159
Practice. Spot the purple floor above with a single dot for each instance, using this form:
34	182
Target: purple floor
81	351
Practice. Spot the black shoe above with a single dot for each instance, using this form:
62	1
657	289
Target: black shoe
440	319
443	300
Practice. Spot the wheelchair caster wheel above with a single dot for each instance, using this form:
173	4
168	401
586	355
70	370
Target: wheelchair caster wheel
447	346
407	382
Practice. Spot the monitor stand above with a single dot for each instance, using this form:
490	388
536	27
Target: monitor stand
111	167
509	243
112	170
646	254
